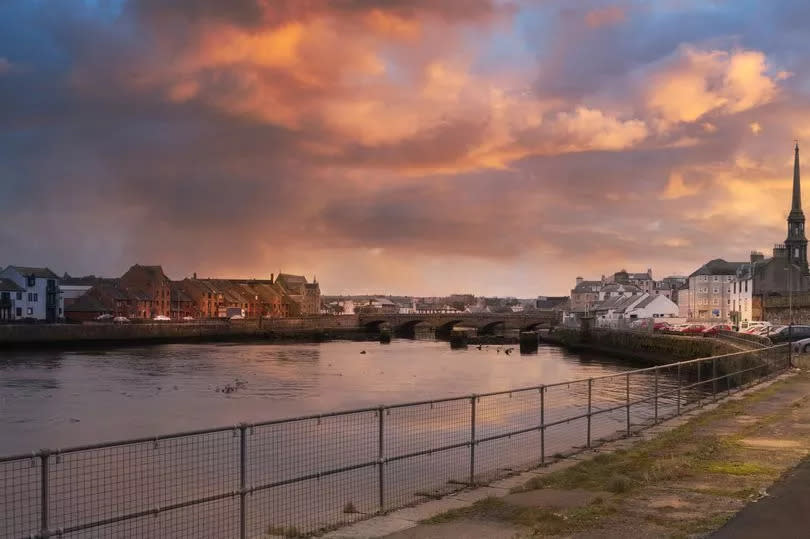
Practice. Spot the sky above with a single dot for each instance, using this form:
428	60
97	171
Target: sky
494	147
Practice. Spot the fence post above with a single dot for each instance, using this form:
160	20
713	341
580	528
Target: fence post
590	385
43	515
628	403
381	455
542	425
678	405
714	379
699	385
655	397
472	440
242	478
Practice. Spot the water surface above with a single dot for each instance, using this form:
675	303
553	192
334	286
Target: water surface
58	399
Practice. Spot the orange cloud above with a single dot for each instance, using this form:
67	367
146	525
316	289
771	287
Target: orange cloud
695	83
677	188
605	16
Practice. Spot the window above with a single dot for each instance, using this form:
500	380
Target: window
60	310
716	278
715	290
746	286
19	296
31	281
19	311
30	311
36	296
30	296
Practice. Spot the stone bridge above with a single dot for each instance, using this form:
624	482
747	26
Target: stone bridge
443	323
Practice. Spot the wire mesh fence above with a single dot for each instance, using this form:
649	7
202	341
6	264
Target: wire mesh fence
305	476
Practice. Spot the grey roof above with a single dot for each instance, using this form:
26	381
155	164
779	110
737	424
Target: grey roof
639	276
616	303
644	302
585	286
40	273
718	266
88	280
550	302
619	287
7	285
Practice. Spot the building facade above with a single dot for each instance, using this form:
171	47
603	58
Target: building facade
40	298
307	295
709	296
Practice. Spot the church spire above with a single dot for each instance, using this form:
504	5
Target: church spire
797	189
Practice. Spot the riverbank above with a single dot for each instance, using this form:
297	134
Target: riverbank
649	348
682	478
66	335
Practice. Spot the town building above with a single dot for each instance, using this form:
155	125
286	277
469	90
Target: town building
75	287
709	296
307	295
40	298
584	295
10	294
86	308
151	287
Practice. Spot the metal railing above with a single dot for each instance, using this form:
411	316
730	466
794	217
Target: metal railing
307	475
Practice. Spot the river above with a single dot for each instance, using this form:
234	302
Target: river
62	398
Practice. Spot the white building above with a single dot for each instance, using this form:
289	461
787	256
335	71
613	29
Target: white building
710	290
11	296
41	298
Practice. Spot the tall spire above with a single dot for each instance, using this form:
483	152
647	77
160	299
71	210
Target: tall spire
797	189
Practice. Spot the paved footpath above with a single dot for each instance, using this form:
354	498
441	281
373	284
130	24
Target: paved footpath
784	513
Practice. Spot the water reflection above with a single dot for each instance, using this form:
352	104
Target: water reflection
62	398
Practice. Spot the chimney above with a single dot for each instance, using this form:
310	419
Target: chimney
272	278
579	280
195	275
756	256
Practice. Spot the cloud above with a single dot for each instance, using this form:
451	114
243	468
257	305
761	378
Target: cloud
604	16
401	146
677	188
755	127
694	83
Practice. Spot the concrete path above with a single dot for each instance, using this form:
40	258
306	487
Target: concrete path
783	513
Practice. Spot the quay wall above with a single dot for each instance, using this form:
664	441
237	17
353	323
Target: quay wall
311	328
651	348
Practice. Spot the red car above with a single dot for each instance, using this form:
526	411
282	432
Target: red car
714	329
660	326
694	329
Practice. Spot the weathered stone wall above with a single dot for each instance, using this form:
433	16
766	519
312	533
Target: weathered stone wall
651	348
317	327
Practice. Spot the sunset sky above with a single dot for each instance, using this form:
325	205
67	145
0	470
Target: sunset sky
399	146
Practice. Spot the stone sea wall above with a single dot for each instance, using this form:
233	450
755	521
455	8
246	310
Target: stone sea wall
647	347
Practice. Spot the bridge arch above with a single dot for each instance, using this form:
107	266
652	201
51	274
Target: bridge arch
489	328
444	330
374	325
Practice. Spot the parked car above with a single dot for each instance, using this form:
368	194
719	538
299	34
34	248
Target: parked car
678	328
237	317
104	317
693	329
801	346
755	328
712	330
161	318
188	318
662	326
121	320
786	333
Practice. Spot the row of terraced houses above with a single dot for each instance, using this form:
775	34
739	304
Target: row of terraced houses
145	292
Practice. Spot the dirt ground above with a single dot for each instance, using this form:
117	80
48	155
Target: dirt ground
684	482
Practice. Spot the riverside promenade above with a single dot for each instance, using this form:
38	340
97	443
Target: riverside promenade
685	477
